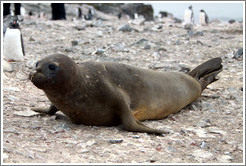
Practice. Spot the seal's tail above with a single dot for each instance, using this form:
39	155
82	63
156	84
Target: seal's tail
207	71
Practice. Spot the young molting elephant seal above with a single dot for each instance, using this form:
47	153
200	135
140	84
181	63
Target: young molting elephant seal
109	94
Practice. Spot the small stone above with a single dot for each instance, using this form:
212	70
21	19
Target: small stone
217	131
239	53
203	145
125	28
15	89
224	158
202	154
13	98
136	136
115	141
147	47
69	50
206	105
88	51
156	56
26	113
83	151
80	28
99	34
61	127
5	156
31	64
7	66
100	51
40	150
90	143
31	39
75	43
231	21
31	155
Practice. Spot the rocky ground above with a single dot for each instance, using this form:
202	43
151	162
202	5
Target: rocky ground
209	130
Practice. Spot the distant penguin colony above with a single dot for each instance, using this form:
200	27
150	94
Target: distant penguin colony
203	17
189	16
13	42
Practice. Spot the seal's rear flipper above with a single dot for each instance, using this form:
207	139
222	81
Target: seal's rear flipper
207	71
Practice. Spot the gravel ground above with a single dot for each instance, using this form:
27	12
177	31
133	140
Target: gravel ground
209	130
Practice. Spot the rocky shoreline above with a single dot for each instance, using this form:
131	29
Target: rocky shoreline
209	130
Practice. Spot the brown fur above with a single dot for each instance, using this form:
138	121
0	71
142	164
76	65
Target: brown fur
112	93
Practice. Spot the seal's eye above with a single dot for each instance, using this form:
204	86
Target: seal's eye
52	66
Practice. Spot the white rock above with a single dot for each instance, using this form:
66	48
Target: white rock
198	153
7	66
5	156
224	158
27	112
11	89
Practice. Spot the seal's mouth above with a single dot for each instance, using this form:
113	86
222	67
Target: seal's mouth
31	76
38	79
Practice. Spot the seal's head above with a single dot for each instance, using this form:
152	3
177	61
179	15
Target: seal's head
53	72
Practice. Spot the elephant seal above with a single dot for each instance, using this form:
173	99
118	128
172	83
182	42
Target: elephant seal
112	93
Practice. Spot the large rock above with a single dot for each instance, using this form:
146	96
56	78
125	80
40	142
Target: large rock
139	8
129	9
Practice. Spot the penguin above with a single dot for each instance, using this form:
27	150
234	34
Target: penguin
119	15
189	16
90	15
13	42
203	17
79	12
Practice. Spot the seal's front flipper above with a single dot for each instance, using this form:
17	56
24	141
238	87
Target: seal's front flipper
51	110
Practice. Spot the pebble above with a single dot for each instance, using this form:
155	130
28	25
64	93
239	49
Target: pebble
99	51
31	64
206	105
224	158
31	39
239	53
60	127
80	28
217	131
203	145
5	156
88	51
125	28
99	34
115	141
198	153
15	89
7	66
13	98
83	151
90	143
26	113
75	43
147	47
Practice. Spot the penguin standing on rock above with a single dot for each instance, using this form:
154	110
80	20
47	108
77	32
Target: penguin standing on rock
13	42
203	17
189	16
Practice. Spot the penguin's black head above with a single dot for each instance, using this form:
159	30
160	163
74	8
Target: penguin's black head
190	7
14	23
202	10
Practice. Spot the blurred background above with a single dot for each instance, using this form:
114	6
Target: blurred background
220	11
